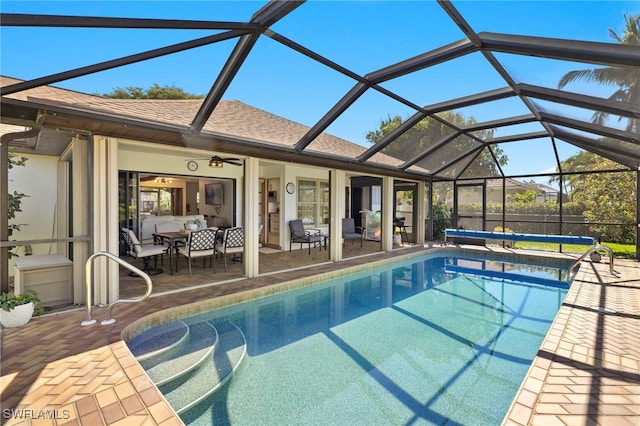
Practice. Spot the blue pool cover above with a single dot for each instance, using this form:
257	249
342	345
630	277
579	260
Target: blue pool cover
515	236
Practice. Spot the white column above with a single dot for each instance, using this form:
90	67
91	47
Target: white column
113	218
251	217
62	206
81	219
387	213
338	182
105	219
421	213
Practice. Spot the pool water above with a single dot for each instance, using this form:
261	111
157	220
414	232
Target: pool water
419	343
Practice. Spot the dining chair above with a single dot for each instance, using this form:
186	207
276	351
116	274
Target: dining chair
303	236
139	251
232	242
200	243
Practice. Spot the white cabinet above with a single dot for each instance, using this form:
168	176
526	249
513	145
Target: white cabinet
48	275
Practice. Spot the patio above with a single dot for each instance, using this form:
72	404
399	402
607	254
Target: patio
271	261
587	370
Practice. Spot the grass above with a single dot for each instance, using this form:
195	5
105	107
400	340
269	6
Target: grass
622	250
619	250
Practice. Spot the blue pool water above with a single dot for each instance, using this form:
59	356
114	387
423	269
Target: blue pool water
419	343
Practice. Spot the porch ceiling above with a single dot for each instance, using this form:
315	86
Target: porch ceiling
211	124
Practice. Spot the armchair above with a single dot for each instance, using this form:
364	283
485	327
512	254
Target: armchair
303	236
352	232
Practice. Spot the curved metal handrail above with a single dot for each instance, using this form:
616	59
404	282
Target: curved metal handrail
88	272
593	250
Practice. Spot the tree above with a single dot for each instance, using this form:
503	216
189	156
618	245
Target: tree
429	131
582	162
154	92
605	197
528	196
626	79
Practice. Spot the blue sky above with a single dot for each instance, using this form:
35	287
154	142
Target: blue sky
362	36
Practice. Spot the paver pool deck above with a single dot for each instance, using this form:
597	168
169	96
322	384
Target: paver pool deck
587	371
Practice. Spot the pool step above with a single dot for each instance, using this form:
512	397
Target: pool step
171	364
187	390
157	340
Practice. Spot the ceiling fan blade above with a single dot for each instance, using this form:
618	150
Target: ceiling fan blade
230	161
217	158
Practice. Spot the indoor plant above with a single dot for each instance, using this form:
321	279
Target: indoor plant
193	224
17	310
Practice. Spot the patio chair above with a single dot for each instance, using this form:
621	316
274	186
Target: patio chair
232	242
200	243
144	252
303	236
352	232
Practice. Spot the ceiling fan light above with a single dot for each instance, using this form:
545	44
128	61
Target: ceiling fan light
215	163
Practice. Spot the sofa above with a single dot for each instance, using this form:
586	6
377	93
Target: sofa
148	224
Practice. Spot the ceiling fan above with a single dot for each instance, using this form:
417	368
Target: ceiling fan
215	161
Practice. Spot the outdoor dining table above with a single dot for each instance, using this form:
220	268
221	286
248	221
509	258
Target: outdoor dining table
173	238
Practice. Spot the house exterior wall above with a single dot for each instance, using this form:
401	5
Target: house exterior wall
38	180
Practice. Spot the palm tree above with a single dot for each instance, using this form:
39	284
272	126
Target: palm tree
626	79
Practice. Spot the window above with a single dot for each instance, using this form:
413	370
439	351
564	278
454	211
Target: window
313	202
156	201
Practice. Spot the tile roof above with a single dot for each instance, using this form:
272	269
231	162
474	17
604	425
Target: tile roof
230	118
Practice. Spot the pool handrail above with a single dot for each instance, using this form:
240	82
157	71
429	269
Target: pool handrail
88	271
591	250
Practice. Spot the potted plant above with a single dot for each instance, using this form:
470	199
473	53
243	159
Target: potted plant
193	224
18	309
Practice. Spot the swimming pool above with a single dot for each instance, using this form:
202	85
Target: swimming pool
420	342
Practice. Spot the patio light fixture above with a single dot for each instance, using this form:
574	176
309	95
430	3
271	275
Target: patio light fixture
215	162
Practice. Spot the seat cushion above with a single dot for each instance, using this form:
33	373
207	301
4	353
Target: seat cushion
150	250
184	250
